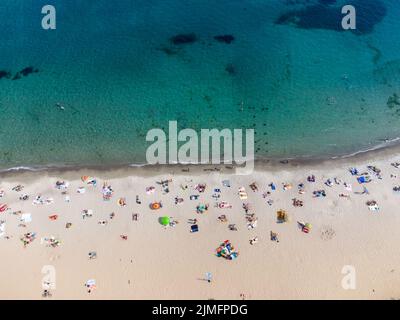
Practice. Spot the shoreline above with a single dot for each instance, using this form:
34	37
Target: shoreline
384	152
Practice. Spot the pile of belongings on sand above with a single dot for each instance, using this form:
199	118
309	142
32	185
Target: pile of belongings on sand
50	241
251	219
107	192
87	213
165	185
62	185
201	208
90	285
375	171
89	180
297	202
396	165
224	205
372	205
27	238
254	187
40	200
319	193
227	251
200	187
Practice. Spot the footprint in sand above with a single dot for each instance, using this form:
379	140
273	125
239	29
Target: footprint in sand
327	233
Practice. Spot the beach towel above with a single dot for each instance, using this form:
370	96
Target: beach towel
81	190
226	183
53	217
2	228
26	217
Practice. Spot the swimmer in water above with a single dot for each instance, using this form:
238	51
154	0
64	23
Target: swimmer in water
59	105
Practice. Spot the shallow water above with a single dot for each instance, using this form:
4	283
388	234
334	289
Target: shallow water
308	88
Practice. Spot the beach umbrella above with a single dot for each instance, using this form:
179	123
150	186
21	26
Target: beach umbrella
164	221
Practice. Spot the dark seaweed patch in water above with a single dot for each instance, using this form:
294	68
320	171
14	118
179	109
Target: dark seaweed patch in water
25	72
228	39
377	53
28	70
184	39
388	73
324	16
393	101
230	68
5	74
168	51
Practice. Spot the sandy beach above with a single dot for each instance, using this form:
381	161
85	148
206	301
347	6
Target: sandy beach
135	257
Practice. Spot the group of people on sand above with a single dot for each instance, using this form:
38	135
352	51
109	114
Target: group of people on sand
196	192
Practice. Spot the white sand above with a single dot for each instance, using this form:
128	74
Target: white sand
158	263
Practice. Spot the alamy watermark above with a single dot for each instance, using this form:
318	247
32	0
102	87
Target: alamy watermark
349	279
349	21
49	20
186	147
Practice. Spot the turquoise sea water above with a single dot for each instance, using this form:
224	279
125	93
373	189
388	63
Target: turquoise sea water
308	88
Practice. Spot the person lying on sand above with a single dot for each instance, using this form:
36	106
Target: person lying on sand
274	236
232	227
253	241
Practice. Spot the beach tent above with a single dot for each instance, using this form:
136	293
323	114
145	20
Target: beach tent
164	221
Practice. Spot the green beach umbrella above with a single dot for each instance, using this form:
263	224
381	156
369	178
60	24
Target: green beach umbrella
164	221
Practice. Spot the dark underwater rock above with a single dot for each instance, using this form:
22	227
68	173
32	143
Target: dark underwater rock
168	51
28	70
228	39
230	68
393	101
5	74
25	72
186	38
